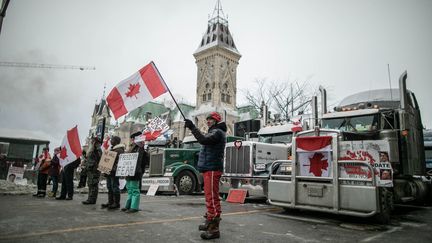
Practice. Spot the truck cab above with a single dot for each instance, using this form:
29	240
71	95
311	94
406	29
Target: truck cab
174	169
247	163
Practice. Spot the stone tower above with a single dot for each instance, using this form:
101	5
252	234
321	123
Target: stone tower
217	59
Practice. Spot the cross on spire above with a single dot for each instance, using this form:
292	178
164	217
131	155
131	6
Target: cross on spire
218	14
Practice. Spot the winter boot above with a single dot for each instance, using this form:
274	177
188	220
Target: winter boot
110	201
212	231
116	202
204	226
127	206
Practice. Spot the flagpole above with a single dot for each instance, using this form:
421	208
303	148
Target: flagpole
181	112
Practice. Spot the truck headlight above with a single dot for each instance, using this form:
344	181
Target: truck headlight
285	168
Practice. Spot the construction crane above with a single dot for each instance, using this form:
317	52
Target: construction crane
39	65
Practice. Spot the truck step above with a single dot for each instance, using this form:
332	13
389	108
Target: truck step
407	199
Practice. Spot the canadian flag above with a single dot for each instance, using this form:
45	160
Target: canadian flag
106	144
70	148
133	92
296	125
314	155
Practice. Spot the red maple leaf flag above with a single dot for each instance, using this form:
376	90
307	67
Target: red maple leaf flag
314	155
133	92
106	144
70	148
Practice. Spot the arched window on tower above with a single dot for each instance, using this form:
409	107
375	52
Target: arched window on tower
228	99
204	97
214	38
223	97
209	96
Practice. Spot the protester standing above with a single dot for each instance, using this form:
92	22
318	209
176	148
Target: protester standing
133	182
83	173
43	168
113	182
54	172
93	175
67	189
210	164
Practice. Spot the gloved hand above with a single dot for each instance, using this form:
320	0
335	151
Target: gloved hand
189	124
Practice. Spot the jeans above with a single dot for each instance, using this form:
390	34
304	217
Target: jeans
113	184
54	184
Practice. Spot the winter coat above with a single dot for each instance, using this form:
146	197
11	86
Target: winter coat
143	159
45	161
212	149
119	149
54	169
93	159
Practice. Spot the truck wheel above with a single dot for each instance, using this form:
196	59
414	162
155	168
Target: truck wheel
185	182
385	205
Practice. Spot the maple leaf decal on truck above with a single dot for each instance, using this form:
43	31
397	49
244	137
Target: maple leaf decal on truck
133	90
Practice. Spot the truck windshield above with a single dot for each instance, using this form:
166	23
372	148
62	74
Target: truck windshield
276	138
352	124
192	145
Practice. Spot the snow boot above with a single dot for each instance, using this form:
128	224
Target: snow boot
116	202
212	231
110	201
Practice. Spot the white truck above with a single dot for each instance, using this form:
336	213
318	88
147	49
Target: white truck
247	163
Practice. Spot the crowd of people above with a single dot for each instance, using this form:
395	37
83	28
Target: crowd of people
210	164
49	169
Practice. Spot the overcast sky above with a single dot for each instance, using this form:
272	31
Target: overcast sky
341	44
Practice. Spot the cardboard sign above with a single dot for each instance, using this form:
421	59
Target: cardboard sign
107	161
15	174
127	164
237	195
152	190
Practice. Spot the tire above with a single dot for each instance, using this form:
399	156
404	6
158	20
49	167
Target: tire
385	205
185	182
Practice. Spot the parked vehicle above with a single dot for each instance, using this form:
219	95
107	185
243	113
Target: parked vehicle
374	158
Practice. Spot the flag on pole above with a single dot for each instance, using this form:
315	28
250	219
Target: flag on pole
133	92
106	144
70	148
314	156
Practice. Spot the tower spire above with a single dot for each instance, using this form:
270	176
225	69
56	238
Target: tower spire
103	94
218	13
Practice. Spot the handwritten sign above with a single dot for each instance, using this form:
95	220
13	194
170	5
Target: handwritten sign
127	164
236	195
107	161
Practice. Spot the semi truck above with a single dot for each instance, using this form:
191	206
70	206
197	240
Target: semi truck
247	163
174	169
364	157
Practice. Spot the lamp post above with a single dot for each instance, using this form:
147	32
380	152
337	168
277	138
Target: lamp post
4	5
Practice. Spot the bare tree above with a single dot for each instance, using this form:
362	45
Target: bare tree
283	98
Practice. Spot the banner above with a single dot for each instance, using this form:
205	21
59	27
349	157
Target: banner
107	161
375	152
127	164
156	127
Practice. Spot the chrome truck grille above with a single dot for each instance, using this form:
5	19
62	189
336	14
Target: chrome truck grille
156	164
237	161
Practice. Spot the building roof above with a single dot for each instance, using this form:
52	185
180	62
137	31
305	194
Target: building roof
217	33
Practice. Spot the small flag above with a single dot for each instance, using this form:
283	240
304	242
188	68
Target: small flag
135	91
70	148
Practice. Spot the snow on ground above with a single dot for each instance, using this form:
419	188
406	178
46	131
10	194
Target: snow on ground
10	188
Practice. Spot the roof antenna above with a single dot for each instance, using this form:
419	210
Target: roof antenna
391	93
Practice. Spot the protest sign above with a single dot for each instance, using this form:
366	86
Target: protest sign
127	164
15	174
107	161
